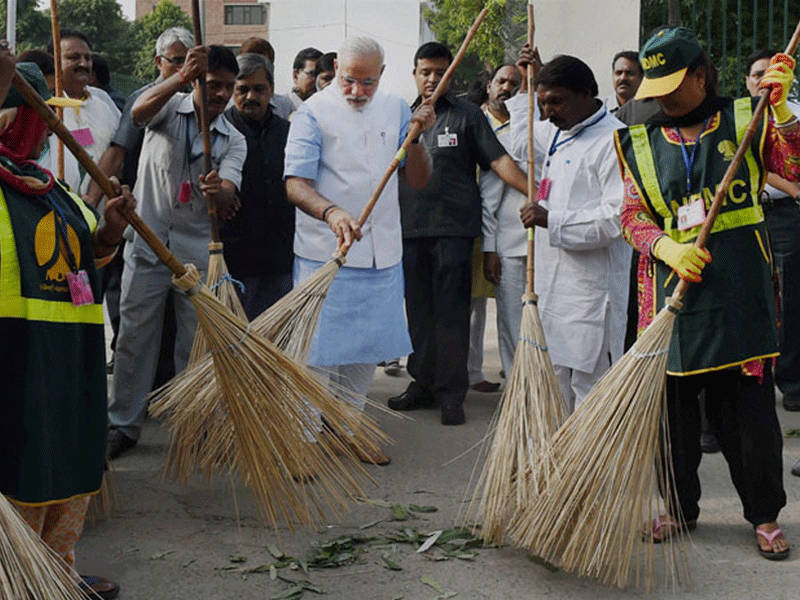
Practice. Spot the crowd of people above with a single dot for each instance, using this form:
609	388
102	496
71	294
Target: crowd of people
623	185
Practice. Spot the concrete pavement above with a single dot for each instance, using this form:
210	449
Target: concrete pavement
169	541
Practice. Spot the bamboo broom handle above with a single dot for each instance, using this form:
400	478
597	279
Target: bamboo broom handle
722	190
57	127
415	129
529	272
55	24
201	82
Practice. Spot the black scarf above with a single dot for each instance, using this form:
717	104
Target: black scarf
710	105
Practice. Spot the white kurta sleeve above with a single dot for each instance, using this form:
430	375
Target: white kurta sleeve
598	224
492	188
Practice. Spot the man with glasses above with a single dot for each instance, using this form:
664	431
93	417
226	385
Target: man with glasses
121	158
304	74
340	143
173	191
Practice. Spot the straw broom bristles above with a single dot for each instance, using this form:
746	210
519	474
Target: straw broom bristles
106	500
268	394
530	411
29	569
272	424
605	472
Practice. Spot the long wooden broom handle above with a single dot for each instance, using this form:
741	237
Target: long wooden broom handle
416	129
722	190
57	127
204	126
529	272
55	24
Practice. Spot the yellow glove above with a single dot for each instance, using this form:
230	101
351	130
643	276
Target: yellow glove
778	79
687	260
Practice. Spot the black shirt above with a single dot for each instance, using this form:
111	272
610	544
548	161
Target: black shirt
450	205
258	240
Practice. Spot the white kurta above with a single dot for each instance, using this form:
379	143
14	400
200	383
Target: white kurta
100	116
582	262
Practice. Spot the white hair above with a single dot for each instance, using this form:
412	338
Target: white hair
359	46
171	36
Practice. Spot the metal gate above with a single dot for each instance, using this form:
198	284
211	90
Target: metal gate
729	30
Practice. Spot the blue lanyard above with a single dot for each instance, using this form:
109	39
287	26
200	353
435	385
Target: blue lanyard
689	160
62	225
190	158
556	144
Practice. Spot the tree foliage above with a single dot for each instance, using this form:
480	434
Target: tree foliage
498	40
145	32
102	22
33	26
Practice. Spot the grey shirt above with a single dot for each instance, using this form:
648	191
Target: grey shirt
165	164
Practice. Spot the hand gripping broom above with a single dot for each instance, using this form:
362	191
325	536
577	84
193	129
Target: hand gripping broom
531	408
218	279
267	394
289	324
605	466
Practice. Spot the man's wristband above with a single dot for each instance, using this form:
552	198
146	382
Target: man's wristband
183	76
325	212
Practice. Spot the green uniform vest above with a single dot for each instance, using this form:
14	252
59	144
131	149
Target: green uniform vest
52	365
730	317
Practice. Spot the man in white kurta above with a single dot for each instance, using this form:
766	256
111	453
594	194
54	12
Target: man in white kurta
340	144
581	259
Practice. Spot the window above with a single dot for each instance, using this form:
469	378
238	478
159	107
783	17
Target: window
245	14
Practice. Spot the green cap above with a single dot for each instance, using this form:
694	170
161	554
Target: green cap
665	59
33	75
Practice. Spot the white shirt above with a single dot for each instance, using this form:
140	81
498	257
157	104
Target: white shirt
100	116
501	227
346	153
582	263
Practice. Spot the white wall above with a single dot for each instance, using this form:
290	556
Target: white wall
297	24
592	31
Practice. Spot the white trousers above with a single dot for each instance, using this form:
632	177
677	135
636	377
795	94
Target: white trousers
508	295
355	378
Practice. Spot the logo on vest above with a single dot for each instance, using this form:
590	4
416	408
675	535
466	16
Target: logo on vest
727	148
51	253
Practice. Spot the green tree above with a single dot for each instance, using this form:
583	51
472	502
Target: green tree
33	26
497	41
145	32
102	22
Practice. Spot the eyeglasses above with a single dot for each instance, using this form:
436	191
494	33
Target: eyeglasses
176	61
364	83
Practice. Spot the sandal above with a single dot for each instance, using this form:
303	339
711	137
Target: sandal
672	527
98	587
770	537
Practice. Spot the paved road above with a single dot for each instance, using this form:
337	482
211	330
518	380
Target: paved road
169	541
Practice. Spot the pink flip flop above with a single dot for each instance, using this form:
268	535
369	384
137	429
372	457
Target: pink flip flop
770	537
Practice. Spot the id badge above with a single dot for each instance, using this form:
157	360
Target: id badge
447	140
83	136
79	288
691	215
543	193
185	193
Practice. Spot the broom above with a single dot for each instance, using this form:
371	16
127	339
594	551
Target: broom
289	323
606	467
29	569
218	278
531	408
56	27
268	395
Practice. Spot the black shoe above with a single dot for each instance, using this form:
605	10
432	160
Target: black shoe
118	443
410	401
796	468
709	443
453	414
110	366
791	402
485	387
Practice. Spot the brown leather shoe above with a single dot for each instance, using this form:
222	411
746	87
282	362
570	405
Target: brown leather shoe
485	387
